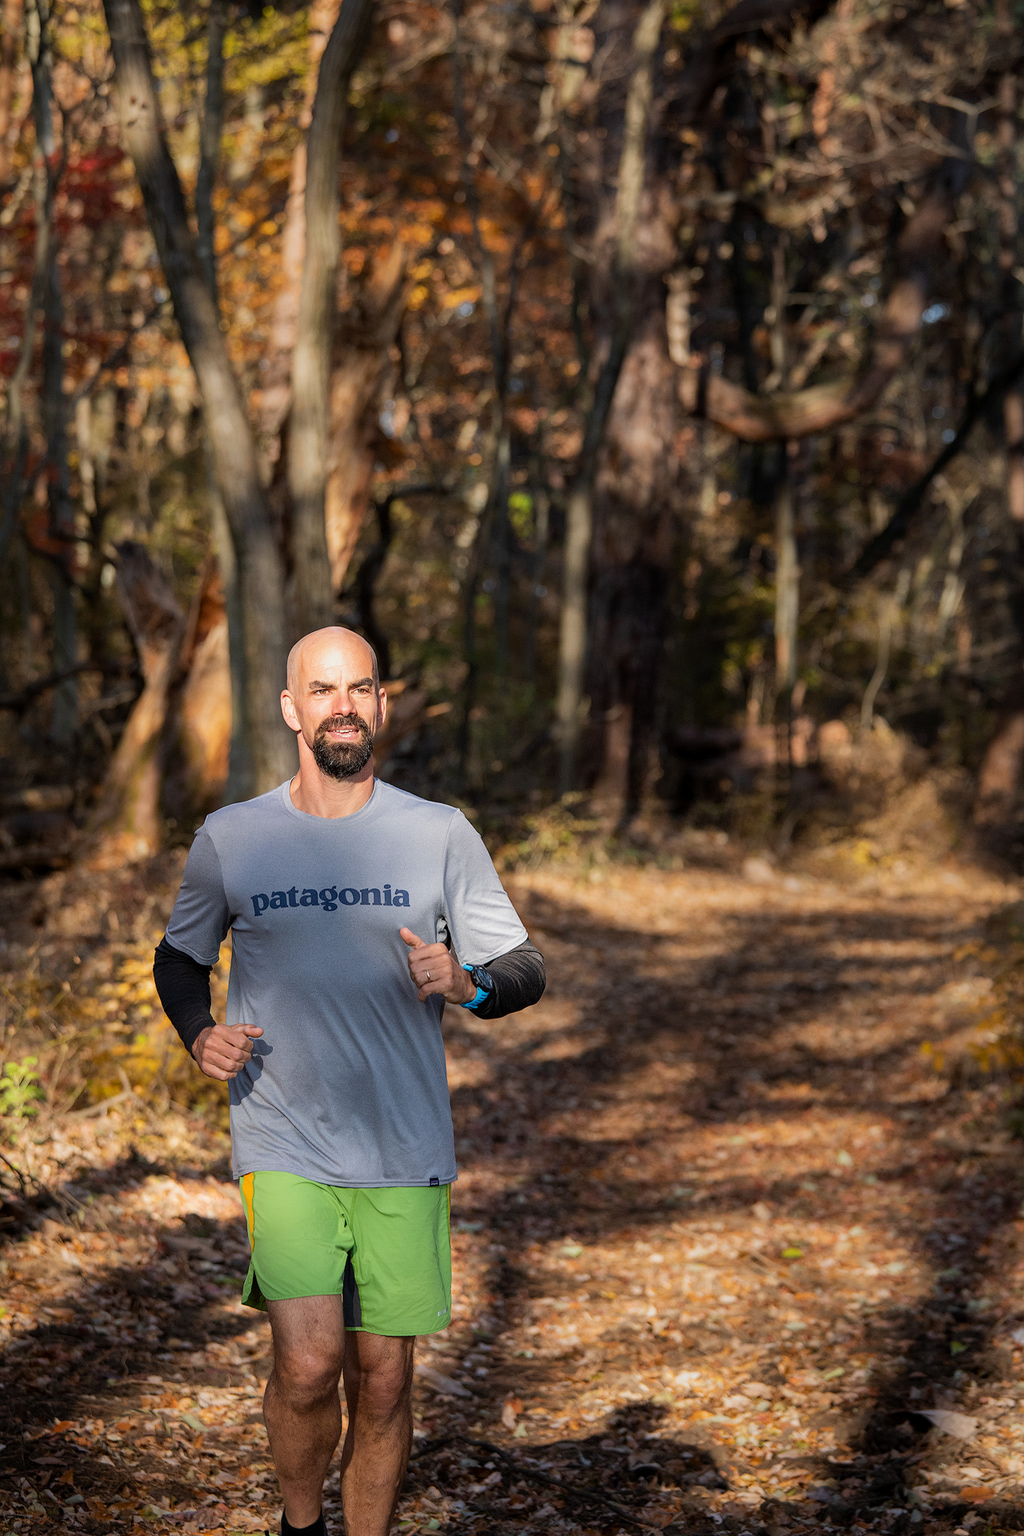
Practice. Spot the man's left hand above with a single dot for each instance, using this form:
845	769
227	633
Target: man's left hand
436	971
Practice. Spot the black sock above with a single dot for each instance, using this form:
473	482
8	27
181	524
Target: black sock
318	1528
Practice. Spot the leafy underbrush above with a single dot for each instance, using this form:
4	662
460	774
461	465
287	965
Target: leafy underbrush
986	999
998	1047
75	1045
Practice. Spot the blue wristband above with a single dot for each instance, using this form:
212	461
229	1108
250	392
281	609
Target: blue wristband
481	993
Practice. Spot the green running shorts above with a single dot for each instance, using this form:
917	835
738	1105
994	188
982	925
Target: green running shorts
387	1252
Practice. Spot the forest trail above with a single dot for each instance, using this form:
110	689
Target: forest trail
724	1236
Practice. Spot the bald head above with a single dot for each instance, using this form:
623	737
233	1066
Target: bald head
326	648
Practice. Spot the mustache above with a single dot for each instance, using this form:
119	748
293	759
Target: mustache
350	721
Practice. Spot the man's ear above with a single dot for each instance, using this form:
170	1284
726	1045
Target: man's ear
291	719
382	706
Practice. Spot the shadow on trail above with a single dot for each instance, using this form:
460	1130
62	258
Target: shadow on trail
602	1479
118	1339
720	1041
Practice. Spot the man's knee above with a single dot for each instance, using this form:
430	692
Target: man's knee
305	1380
382	1394
382	1385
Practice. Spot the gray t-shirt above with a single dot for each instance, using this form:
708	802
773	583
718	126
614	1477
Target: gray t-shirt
347	1083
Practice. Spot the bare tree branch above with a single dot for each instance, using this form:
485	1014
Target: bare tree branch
912	500
758	418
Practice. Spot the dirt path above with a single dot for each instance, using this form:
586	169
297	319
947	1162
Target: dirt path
724	1238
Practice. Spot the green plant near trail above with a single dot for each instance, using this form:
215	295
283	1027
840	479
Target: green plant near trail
19	1088
561	832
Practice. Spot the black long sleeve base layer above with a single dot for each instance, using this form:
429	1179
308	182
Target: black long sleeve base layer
184	987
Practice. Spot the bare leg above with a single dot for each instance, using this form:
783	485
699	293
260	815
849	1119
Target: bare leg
378	1390
301	1409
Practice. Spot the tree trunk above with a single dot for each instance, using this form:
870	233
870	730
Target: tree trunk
787	588
318	304
236	784
367	335
61	539
638	495
787	559
232	442
210	131
198	766
580	505
495	455
276	393
541	530
1001	776
364	585
572	637
15	439
95	425
10	23
1013	402
887	614
127	823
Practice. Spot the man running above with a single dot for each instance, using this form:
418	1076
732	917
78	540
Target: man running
356	912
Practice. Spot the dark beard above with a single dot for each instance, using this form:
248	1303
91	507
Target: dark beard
342	759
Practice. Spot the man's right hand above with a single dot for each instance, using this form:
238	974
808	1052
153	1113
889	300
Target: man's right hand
222	1050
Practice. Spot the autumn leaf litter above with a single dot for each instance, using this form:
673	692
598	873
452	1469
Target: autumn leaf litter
731	1253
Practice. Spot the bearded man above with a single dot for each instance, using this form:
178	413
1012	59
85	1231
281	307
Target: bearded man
341	1124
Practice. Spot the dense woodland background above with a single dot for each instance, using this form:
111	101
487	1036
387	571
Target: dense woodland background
645	378
644	382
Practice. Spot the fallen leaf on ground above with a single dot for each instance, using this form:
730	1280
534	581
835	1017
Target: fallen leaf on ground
441	1383
959	1424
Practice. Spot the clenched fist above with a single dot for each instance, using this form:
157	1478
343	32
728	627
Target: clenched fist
436	971
222	1050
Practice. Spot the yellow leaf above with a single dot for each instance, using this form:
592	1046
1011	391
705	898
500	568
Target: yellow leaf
456	296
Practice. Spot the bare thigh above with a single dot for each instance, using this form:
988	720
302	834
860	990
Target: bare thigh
309	1341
